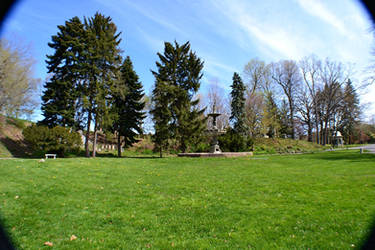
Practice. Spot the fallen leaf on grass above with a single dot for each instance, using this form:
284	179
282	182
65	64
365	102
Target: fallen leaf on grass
73	237
47	243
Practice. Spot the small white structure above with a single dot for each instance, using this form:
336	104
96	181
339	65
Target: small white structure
50	156
337	140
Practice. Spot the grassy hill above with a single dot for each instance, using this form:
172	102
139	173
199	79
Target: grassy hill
11	138
282	146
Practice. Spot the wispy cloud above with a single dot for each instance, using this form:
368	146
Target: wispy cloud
152	15
155	44
266	36
317	9
142	9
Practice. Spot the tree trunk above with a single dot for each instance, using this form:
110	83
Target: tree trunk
309	132
322	135
325	134
87	149
292	121
161	152
317	133
118	145
95	139
316	123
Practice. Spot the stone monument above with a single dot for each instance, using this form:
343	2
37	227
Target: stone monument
215	132
215	150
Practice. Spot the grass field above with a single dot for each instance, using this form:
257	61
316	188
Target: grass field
322	200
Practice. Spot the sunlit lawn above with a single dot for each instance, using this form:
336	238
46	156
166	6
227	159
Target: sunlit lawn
322	200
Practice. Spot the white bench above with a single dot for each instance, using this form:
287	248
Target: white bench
50	155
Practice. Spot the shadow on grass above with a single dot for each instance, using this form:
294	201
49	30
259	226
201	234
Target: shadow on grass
5	239
349	156
16	148
369	241
143	157
111	155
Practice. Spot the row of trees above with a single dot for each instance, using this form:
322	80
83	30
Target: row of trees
289	98
90	84
91	88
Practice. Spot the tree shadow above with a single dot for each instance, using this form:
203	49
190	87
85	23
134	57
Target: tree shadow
349	156
6	241
142	157
16	148
111	155
369	241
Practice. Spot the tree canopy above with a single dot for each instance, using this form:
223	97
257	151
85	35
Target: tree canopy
18	87
175	110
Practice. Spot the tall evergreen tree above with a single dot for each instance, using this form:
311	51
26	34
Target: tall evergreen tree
284	119
128	105
83	67
238	105
350	112
271	116
161	114
100	66
60	99
177	80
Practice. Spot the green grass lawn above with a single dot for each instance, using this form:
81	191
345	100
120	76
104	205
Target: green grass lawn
323	200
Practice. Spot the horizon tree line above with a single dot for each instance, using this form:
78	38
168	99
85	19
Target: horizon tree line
92	87
292	99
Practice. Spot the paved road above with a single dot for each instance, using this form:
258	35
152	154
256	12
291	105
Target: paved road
369	147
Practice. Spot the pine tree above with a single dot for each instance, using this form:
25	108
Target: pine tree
238	105
271	117
161	115
350	112
60	103
177	81
83	68
100	65
128	105
284	119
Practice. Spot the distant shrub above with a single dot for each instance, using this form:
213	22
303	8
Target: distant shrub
201	147
143	146
16	122
58	140
234	142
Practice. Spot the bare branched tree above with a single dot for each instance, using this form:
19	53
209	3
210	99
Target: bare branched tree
333	75
286	74
307	96
18	87
257	76
216	99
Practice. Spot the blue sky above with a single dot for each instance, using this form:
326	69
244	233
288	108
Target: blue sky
226	34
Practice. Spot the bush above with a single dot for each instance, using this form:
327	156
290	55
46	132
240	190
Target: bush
234	142
16	122
200	147
57	140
